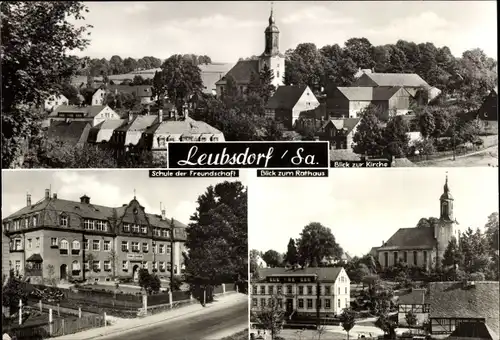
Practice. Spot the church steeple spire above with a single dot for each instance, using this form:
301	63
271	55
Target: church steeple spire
272	36
271	17
446	201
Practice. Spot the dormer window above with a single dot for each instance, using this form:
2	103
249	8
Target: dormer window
63	221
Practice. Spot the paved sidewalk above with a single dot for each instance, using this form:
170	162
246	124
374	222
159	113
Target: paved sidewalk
124	325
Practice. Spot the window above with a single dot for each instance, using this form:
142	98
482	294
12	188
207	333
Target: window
29	243
53	242
107	246
86	244
96	245
107	265
162	248
18	266
37	242
309	303
166	233
135	228
271	290
386	259
75	266
425	257
96	265
254	302
405	257
75	247
34	219
169	248
280	289
135	247
161	142
254	290
145	247
215	139
345	290
289	289
339	303
101	225
145	264
280	303
263	303
301	290
26	222
278	74
262	290
126	227
162	266
327	290
17	244
144	230
301	303
154	265
63	249
88	224
395	255
309	290
327	304
155	248
125	265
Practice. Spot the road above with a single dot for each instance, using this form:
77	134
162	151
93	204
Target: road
208	326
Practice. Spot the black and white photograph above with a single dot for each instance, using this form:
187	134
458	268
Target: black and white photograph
399	254
114	254
109	84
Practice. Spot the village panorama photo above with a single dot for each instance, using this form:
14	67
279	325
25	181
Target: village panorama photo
110	84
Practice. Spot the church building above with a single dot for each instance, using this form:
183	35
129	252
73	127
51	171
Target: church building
422	246
244	69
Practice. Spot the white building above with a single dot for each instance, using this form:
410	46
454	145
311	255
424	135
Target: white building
54	101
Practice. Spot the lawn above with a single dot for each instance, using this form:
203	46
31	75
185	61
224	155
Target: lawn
484	158
243	335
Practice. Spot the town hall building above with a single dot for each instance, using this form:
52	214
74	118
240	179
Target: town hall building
422	246
244	70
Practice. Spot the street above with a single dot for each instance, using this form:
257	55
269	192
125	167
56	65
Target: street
208	326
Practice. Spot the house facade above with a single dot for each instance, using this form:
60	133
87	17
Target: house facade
129	137
413	301
422	247
62	239
349	102
272	58
288	102
93	114
340	132
303	291
488	112
143	92
455	303
5	255
54	101
98	96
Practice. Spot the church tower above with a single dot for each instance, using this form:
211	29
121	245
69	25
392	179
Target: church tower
272	56
446	228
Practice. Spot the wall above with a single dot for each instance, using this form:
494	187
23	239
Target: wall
5	254
420	257
306	102
337	105
421	318
277	64
98	97
444	232
355	107
105	114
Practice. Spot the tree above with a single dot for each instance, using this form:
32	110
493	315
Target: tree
358	273
291	256
386	325
217	237
317	243
452	255
34	61
396	137
254	254
411	319
348	320
272	316
368	137
426	123
70	92
116	65
129	65
492	234
360	50
272	258
180	79
149	282
138	80
14	291
266	83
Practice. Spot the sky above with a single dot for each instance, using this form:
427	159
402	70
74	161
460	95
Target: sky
364	207
111	188
228	30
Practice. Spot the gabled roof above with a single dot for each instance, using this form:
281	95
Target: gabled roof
286	97
70	133
346	123
187	126
457	300
473	330
325	274
397	79
414	297
138	90
242	71
360	93
88	111
411	238
139	123
103	131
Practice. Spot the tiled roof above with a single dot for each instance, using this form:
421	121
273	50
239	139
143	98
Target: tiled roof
411	238
184	127
139	90
368	93
88	111
70	133
456	300
326	274
397	79
473	330
414	297
347	123
286	97
102	132
242	71
135	129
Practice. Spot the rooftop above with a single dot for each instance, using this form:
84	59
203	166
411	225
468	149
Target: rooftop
70	133
397	79
89	111
369	93
327	274
411	238
286	97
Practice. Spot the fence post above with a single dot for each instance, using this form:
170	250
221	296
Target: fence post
145	304
20	312
191	296
41	305
236	288
50	321
105	322
79	312
223	288
63	326
170	300
58	310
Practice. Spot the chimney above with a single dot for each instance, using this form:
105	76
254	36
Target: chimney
28	200
382	243
47	194
163	214
54	196
130	117
160	115
85	199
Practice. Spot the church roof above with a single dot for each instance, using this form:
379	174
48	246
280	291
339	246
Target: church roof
242	72
411	238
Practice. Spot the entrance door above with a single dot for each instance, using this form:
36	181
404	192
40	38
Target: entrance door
289	306
63	273
135	273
